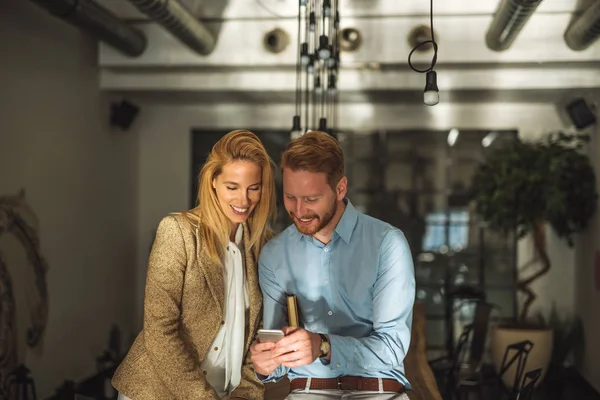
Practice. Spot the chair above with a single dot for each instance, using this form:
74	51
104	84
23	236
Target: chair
529	381
468	353
520	353
21	385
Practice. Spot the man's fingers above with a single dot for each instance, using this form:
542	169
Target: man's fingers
292	346
294	356
293	341
299	362
289	329
260	347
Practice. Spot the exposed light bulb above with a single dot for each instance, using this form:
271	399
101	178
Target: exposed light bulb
489	139
324	51
304	56
431	95
452	137
327	8
318	87
331	87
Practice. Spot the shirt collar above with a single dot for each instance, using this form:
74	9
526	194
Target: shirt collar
347	223
239	234
344	228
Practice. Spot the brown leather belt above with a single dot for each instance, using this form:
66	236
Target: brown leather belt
349	383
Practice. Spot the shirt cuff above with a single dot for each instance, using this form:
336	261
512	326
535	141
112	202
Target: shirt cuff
274	377
340	347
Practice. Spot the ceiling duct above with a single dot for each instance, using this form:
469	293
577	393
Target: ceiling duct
510	18
180	21
98	21
585	30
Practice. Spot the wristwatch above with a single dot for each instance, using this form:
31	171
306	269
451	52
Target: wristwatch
325	346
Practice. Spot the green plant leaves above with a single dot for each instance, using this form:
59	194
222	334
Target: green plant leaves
529	182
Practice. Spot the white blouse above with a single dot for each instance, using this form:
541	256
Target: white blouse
223	364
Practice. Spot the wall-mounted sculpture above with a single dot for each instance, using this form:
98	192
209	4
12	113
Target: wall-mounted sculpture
23	289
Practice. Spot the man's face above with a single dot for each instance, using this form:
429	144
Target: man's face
309	200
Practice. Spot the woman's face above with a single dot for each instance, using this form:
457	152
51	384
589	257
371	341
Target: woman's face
238	189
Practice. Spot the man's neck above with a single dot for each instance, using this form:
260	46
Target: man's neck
324	235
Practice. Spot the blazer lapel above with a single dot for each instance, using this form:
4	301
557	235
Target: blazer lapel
253	286
213	274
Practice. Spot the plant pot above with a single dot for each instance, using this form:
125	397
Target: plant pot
539	356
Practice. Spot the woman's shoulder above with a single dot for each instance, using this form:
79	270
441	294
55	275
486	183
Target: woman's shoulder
186	221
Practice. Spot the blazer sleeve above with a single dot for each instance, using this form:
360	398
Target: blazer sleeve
250	388
175	365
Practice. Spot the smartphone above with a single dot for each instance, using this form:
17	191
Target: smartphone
270	335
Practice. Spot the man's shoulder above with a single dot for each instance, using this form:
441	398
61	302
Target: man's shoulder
375	225
277	242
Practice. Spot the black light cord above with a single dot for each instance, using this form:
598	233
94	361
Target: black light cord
298	67
433	43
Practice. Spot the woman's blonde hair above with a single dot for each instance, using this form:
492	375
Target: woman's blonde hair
238	145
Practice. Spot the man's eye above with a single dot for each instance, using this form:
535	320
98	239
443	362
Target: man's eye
309	200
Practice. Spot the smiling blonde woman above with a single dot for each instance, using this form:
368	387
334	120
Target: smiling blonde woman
202	301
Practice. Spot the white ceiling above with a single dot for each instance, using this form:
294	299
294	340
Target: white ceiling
227	9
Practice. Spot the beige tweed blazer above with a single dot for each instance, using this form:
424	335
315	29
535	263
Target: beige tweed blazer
183	311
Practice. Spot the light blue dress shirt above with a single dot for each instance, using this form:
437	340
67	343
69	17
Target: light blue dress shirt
359	289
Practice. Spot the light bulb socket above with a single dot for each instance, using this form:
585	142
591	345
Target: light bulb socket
296	129
331	81
303	2
431	82
318	87
336	20
296	123
323	124
312	21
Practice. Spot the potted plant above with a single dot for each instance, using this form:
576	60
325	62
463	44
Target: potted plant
523	188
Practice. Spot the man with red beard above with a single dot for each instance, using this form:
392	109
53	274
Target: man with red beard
353	276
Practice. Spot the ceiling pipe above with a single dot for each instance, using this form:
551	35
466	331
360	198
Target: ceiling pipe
180	21
585	30
99	22
511	16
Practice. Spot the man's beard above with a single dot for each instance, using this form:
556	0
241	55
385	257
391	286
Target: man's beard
321	222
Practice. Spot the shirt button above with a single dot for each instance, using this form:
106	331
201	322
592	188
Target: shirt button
337	365
216	349
330	312
326	280
326	249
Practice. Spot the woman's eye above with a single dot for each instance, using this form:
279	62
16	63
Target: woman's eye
230	188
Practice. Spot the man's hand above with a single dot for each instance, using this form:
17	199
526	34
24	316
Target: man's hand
299	347
263	357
